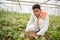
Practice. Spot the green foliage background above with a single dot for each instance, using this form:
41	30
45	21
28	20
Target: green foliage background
12	26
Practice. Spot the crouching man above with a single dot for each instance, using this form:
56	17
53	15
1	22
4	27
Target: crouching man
38	23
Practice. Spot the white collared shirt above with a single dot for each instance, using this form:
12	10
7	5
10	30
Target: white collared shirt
43	25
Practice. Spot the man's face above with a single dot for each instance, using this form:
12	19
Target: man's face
37	12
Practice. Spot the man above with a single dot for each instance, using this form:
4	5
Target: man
38	23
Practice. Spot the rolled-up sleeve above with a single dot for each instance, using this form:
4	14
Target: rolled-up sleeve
43	24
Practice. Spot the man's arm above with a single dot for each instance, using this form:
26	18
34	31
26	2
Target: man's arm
29	22
43	26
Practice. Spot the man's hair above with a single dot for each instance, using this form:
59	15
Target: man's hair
36	6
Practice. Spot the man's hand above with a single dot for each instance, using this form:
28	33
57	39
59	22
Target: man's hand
33	34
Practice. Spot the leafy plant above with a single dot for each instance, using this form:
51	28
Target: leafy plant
12	26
